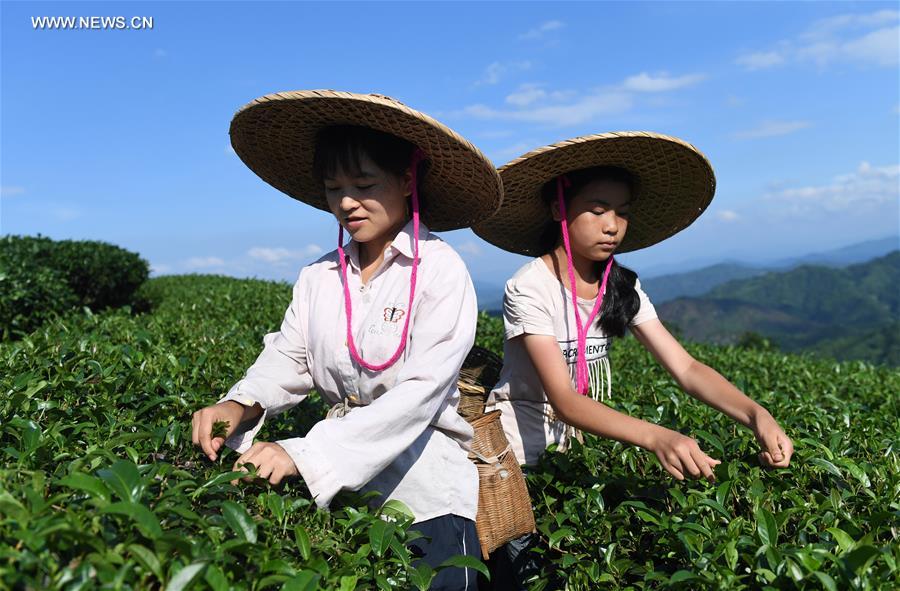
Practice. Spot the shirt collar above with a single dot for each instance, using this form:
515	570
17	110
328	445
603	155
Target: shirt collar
403	243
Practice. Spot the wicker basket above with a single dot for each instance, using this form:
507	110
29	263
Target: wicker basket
479	373
504	507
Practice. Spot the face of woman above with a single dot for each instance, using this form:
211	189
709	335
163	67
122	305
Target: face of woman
370	203
598	219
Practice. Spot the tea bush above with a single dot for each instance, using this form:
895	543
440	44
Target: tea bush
29	297
40	278
101	488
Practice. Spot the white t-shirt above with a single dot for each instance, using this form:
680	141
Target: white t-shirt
536	302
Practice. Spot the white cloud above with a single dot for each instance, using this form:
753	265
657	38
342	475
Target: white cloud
727	215
772	129
865	189
542	29
496	71
760	60
10	191
282	255
829	26
270	255
496	134
65	214
513	151
525	95
879	47
574	112
160	268
532	103
195	263
528	94
872	38
644	82
471	248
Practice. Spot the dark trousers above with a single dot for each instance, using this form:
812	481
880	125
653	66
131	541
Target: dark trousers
512	564
444	537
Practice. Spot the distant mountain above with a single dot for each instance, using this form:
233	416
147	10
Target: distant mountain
847	255
490	296
849	313
664	288
695	283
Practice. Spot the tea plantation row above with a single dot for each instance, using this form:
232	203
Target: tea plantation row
101	488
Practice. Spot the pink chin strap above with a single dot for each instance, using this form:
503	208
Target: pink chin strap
581	362
417	157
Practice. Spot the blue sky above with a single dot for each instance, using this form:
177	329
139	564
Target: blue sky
122	135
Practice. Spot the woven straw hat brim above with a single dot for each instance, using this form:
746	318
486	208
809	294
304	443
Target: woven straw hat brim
275	137
675	184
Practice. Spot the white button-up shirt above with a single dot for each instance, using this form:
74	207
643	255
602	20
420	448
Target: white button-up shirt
406	440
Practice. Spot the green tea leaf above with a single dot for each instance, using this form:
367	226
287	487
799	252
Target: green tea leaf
218	479
421	576
302	539
394	506
826	580
559	534
239	521
681	576
147	559
143	517
466	562
380	534
220	429
90	484
860	558
828	466
305	580
185	576
216	579
766	527
843	539
731	555
123	479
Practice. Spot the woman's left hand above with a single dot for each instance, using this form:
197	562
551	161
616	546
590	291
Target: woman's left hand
777	448
270	460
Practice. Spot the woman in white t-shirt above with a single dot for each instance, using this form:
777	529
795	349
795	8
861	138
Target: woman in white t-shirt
379	327
570	204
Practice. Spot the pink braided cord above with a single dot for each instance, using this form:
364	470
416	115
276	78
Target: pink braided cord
417	157
581	361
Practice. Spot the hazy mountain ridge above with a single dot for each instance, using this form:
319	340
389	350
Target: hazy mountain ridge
850	313
695	282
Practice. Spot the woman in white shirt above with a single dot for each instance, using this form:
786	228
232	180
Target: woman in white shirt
570	204
379	327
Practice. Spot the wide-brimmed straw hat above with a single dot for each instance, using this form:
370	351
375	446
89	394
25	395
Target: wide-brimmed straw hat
275	136
675	184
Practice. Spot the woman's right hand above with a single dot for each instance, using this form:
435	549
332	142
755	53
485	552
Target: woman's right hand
681	456
230	412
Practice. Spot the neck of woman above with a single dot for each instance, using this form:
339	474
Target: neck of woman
371	252
586	270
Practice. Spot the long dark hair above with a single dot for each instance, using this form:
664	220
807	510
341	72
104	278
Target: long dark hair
342	146
621	301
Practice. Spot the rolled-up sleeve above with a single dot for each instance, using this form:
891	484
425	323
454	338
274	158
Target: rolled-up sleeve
279	378
646	310
346	453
